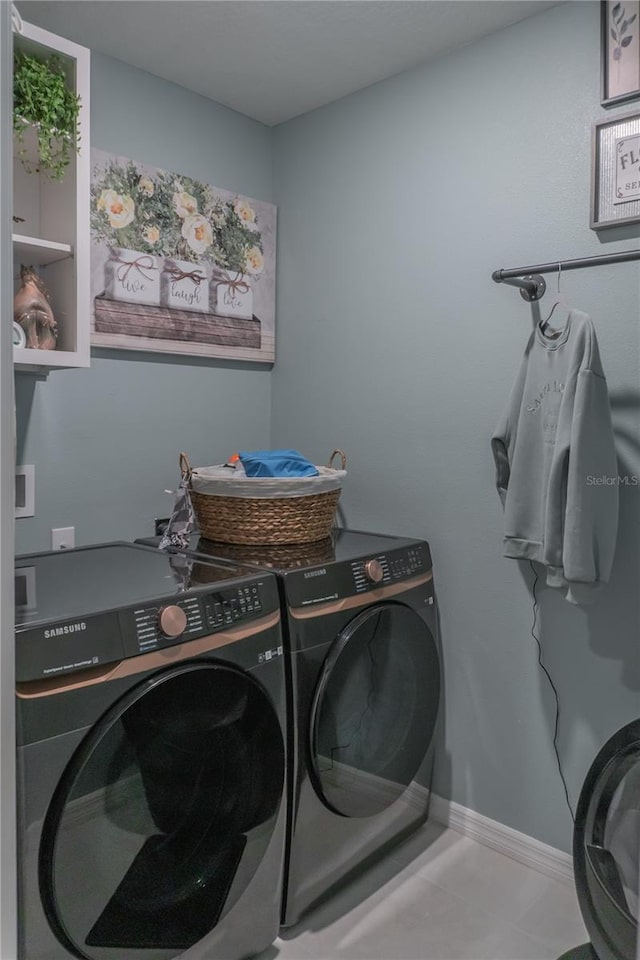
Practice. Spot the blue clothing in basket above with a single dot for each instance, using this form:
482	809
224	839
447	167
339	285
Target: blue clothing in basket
276	463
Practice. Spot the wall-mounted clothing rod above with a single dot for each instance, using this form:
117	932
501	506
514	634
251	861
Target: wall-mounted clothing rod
532	284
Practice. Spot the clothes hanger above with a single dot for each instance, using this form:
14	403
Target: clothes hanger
559	301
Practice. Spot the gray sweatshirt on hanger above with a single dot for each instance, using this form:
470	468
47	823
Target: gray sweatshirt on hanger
556	467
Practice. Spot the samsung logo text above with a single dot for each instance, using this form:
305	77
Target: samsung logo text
68	628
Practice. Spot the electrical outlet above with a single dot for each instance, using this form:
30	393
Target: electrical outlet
63	538
160	525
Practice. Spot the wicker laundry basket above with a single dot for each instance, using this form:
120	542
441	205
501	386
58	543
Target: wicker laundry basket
263	510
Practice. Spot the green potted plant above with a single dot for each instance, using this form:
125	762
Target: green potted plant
43	101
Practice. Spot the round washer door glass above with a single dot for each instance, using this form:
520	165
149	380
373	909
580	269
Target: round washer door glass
163	814
374	710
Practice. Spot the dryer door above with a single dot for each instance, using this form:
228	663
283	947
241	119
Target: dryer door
163	814
374	710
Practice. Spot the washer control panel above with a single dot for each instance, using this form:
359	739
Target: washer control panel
99	605
151	624
228	606
160	625
67	646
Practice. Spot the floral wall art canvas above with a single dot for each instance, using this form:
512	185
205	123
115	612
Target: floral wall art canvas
179	266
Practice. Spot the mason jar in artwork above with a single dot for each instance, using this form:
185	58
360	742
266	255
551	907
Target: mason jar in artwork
185	286
132	276
231	293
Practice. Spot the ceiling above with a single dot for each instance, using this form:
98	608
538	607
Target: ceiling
276	59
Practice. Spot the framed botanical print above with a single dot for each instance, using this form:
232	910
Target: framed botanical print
620	54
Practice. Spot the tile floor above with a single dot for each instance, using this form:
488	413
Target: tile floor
440	896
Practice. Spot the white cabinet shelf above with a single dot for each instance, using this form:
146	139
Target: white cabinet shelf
36	252
53	219
40	361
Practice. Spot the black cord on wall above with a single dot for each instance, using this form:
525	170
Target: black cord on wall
553	687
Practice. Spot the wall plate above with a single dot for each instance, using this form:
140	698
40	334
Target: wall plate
25	588
25	491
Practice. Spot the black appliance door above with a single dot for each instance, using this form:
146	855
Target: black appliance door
374	710
607	846
163	814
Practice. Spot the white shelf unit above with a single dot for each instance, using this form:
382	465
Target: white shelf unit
52	229
37	250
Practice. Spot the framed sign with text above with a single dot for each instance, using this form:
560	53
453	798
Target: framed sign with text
615	172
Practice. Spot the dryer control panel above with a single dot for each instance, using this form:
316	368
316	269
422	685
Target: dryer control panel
362	575
388	567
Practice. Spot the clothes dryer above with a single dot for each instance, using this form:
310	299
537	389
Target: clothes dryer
151	757
360	627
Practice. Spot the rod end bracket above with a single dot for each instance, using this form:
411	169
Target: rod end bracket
535	289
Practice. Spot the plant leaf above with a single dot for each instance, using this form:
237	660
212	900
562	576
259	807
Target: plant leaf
42	98
627	41
616	10
614	35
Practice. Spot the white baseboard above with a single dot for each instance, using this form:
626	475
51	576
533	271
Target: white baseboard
519	846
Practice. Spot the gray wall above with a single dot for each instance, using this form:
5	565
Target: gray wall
395	204
105	441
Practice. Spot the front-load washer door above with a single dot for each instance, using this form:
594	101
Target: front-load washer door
607	846
374	710
163	814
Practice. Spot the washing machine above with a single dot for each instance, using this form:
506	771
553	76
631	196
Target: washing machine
151	756
364	667
606	850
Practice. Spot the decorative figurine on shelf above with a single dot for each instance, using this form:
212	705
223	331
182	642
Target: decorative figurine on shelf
32	311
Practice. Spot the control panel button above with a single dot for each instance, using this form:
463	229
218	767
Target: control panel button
172	621
373	571
227	607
